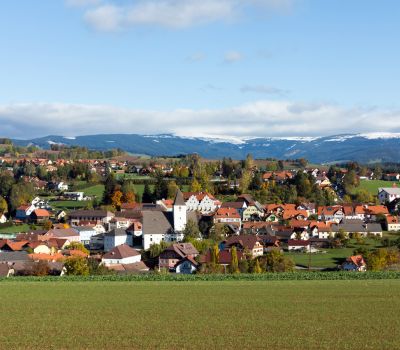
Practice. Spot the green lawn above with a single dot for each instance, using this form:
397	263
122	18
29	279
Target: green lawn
334	257
15	229
200	315
373	185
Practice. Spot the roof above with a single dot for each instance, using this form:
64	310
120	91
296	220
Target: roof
227	213
156	222
199	195
179	198
120	252
41	213
90	213
298	243
14	256
182	249
246	241
236	205
357	260
116	232
62	232
390	190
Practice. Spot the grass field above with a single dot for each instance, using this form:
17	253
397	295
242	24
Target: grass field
334	257
200	315
372	185
15	229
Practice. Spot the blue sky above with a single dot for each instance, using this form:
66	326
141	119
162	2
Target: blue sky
195	68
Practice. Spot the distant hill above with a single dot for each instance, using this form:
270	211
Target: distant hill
358	147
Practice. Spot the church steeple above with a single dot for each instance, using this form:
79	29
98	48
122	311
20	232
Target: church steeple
179	212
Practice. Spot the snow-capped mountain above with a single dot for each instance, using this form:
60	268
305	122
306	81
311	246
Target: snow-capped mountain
372	147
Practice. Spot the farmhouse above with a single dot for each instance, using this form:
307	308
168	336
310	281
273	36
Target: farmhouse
122	254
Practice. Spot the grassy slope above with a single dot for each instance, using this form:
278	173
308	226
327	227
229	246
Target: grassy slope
373	185
279	314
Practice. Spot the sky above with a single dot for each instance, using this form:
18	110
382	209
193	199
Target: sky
215	68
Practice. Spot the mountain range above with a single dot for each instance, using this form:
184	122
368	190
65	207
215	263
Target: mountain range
365	148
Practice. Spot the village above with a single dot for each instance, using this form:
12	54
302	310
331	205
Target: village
196	217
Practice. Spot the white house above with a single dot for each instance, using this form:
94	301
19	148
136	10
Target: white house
388	194
186	266
86	233
3	219
203	202
115	238
122	254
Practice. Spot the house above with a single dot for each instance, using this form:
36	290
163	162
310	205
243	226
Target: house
355	263
224	257
116	238
122	254
227	215
203	202
254	209
295	244
246	243
357	226
331	213
13	257
40	216
135	268
388	194
69	234
391	177
23	212
85	234
98	216
160	226
392	223
186	266
172	255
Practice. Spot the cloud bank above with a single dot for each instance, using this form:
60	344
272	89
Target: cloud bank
177	14
260	119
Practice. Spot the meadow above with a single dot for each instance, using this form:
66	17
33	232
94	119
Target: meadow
357	314
372	186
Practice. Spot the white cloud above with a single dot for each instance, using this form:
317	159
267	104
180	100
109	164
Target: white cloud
262	118
111	16
232	56
263	89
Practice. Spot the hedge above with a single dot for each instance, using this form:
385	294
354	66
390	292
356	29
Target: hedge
285	276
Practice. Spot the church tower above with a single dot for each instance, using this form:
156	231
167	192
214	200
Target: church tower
179	212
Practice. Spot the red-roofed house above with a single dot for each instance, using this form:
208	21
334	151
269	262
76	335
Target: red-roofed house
354	263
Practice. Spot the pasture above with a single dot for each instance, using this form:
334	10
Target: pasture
356	314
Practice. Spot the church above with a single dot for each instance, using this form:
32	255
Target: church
165	226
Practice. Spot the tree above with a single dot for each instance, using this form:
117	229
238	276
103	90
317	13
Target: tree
109	187
172	188
96	268
245	181
77	246
215	255
277	262
76	266
116	199
218	232
160	187
244	266
195	186
47	225
128	190
3	206
234	266
257	267
147	196
191	230
21	193
40	268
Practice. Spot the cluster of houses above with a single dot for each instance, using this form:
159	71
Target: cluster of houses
118	238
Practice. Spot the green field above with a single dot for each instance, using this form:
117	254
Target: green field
200	315
336	256
372	185
15	229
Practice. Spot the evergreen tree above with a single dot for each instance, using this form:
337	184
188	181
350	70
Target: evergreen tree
147	196
234	266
